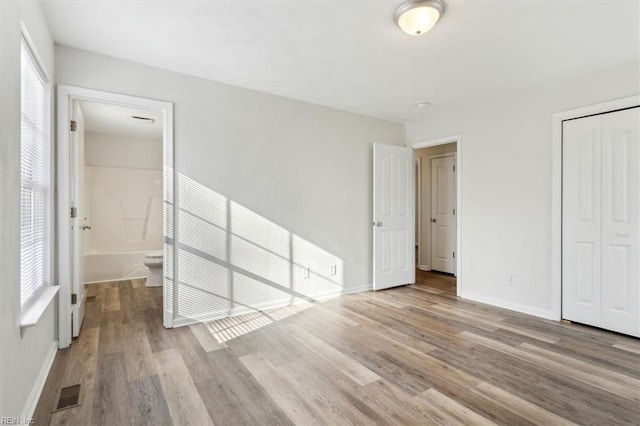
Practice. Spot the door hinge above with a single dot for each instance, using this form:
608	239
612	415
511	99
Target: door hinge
73	125
74	212
454	168
454	254
74	298
454	211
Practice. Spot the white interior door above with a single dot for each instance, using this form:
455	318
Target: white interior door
78	225
443	219
393	216
620	216
581	220
600	232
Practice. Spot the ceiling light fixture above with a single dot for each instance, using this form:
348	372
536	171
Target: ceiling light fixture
423	104
416	17
142	120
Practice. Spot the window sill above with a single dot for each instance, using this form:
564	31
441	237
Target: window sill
31	315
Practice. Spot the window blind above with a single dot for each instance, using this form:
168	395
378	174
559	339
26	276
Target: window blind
34	153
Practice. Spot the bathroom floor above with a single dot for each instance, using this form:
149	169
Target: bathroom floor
410	355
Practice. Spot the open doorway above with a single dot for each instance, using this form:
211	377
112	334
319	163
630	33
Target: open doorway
114	163
437	189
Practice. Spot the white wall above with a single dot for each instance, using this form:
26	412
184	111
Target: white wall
424	260
109	150
21	357
268	186
124	194
125	210
506	175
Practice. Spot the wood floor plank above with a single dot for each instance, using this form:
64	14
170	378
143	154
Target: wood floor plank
281	390
454	412
623	379
149	404
329	402
138	282
205	337
139	357
182	397
111	404
111	300
554	392
93	315
522	407
143	300
588	378
629	346
232	385
344	363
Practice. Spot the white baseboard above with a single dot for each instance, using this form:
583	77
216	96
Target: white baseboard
542	313
212	316
115	280
36	391
360	289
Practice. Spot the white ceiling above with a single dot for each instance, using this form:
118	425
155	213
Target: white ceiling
115	120
350	55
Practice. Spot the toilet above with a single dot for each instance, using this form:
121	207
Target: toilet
153	261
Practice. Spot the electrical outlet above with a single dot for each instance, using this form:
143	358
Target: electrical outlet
512	280
333	270
306	273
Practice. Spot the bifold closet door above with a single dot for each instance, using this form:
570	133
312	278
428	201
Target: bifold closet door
581	220
620	216
600	232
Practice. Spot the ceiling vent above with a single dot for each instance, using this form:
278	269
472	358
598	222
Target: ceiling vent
142	120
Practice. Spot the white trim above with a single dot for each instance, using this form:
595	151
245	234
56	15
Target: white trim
542	313
359	289
441	141
556	188
36	307
418	207
116	280
66	96
36	391
34	52
435	142
424	267
37	301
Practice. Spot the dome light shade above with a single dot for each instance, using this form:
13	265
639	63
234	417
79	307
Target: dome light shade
416	17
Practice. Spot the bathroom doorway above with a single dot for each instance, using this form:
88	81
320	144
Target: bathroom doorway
115	156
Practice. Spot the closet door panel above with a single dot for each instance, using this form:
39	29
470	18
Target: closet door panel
581	220
620	220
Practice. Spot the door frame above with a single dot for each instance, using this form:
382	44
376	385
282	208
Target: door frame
429	252
459	207
556	187
66	95
418	207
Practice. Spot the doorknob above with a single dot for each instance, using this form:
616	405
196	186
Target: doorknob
378	223
85	227
433	220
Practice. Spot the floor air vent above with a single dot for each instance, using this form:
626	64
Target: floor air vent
69	397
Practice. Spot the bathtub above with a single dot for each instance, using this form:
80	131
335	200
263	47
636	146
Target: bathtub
99	267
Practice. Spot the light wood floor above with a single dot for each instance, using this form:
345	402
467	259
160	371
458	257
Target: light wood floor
410	355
